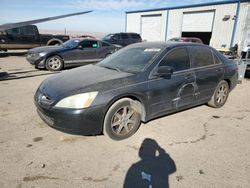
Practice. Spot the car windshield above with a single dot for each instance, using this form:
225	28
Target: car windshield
130	59
108	37
71	43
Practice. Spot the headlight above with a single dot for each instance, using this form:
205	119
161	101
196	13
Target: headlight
83	100
42	54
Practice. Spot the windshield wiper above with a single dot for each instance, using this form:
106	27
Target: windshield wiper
113	68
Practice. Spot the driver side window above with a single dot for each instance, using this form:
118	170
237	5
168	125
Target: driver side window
178	59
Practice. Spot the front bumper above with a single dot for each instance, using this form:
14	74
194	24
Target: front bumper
74	121
38	62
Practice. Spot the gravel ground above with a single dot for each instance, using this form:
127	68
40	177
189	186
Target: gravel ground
199	147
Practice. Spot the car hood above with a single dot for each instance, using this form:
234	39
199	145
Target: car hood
46	49
83	79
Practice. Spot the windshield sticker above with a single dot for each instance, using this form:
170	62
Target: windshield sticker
152	50
76	41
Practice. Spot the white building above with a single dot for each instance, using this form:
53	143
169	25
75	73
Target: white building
219	24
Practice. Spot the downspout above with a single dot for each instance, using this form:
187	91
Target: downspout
235	24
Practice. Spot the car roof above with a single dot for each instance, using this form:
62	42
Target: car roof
82	39
163	45
123	33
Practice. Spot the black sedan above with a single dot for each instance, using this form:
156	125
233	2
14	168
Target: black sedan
74	52
138	83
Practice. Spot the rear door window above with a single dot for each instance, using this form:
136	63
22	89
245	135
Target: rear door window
216	59
135	36
201	56
29	30
178	59
124	36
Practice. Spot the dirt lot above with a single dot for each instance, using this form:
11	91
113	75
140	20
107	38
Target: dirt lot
204	147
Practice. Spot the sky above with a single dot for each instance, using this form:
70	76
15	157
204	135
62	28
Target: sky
107	16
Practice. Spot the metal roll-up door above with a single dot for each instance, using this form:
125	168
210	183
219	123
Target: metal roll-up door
198	21
151	27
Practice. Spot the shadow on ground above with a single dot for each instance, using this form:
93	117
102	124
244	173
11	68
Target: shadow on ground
153	169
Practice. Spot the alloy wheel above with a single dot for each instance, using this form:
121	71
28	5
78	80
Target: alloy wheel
221	94
123	121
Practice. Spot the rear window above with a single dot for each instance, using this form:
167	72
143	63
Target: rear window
135	36
178	59
201	56
13	31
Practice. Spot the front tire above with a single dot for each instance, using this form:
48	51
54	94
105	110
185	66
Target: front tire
54	63
220	95
122	119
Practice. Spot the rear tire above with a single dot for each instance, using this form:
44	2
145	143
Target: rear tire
122	119
54	63
220	95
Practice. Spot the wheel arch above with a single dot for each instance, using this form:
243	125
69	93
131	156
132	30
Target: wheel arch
228	82
54	40
133	97
50	55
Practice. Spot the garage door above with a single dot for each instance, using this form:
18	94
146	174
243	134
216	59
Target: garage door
151	27
198	21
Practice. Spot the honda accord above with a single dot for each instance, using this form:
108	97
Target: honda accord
136	84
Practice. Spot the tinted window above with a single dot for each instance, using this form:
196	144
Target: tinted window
116	36
201	56
245	56
29	30
216	59
71	43
105	44
135	36
13	31
89	44
108	37
124	36
178	59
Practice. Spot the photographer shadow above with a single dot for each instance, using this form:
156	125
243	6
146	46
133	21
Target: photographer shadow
153	169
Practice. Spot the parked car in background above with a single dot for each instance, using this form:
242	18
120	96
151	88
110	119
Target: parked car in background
187	39
123	39
74	52
138	83
226	52
245	56
27	37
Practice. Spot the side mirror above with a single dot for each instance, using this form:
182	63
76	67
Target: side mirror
164	71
